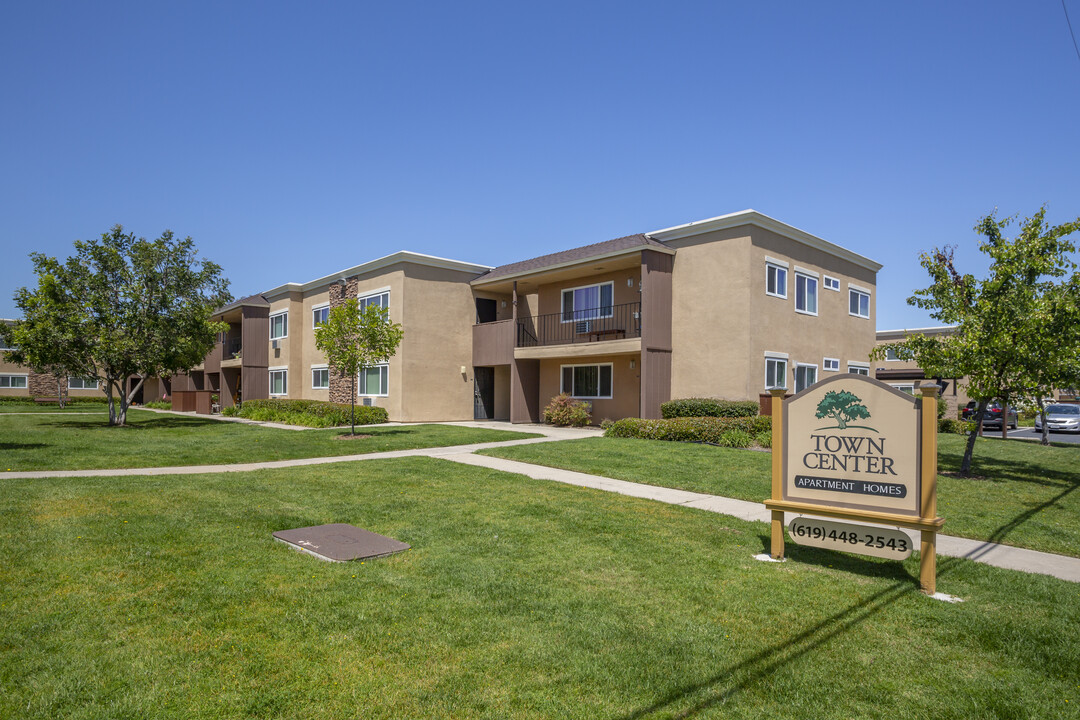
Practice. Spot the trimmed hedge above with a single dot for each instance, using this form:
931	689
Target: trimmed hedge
309	413
716	430
708	407
26	400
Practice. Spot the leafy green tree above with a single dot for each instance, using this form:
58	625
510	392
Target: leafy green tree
1052	347
123	307
49	340
1002	321
843	407
353	339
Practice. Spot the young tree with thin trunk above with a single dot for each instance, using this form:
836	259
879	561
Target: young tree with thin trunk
999	319
139	308
353	339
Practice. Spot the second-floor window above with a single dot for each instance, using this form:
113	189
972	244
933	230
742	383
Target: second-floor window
775	280
381	299
319	315
588	303
279	326
805	294
859	303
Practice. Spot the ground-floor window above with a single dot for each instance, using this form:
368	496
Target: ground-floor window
908	388
775	373
374	381
79	383
279	382
805	376
857	369
589	382
320	378
12	381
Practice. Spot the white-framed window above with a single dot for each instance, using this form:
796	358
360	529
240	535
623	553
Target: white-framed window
588	302
379	299
320	377
320	314
805	376
79	383
775	373
374	381
279	381
588	382
891	355
858	303
858	368
908	388
279	325
775	280
831	283
805	293
12	381
831	364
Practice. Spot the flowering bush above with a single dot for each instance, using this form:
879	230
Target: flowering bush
565	411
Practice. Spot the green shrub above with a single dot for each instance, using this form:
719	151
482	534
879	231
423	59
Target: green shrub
736	439
565	411
309	413
231	411
159	405
764	439
942	407
956	427
690	429
708	407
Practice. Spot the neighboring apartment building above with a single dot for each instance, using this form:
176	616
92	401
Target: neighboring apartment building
21	381
725	307
905	375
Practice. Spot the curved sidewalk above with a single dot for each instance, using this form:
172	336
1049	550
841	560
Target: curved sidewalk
1003	556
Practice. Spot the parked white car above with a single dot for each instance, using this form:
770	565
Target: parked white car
1060	418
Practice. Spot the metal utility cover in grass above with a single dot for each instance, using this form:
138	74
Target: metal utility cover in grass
339	542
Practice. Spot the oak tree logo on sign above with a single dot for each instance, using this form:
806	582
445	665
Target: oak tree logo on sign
843	407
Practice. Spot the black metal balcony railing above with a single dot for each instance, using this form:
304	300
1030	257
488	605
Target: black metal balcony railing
233	348
613	322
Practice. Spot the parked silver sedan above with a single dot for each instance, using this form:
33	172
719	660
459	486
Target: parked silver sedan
1060	418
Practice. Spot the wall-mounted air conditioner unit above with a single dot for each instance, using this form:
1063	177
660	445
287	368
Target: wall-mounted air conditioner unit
368	401
582	327
275	344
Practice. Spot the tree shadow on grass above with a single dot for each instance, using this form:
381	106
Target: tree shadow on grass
722	686
163	423
21	446
996	470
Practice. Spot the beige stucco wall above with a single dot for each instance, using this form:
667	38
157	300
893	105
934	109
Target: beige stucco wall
290	351
438	314
625	384
550	295
723	322
310	355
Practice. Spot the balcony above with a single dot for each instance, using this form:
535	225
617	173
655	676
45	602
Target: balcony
231	352
591	325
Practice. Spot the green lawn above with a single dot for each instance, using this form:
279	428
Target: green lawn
66	442
165	597
1028	496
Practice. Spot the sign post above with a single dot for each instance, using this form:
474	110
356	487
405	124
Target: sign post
853	448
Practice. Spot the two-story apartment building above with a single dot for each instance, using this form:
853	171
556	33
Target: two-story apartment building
725	307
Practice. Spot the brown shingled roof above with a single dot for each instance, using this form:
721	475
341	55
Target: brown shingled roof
256	300
629	242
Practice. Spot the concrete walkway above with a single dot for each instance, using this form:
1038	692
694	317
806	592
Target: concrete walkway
1004	556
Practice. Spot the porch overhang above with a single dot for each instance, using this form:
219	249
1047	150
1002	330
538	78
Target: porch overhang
624	346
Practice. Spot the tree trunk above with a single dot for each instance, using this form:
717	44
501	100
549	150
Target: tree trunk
112	403
965	464
61	398
1042	416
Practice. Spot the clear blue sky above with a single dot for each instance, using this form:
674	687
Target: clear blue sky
291	140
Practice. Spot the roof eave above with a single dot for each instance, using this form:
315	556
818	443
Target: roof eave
570	263
753	217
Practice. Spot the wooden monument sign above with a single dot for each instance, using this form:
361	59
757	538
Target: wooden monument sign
853	448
